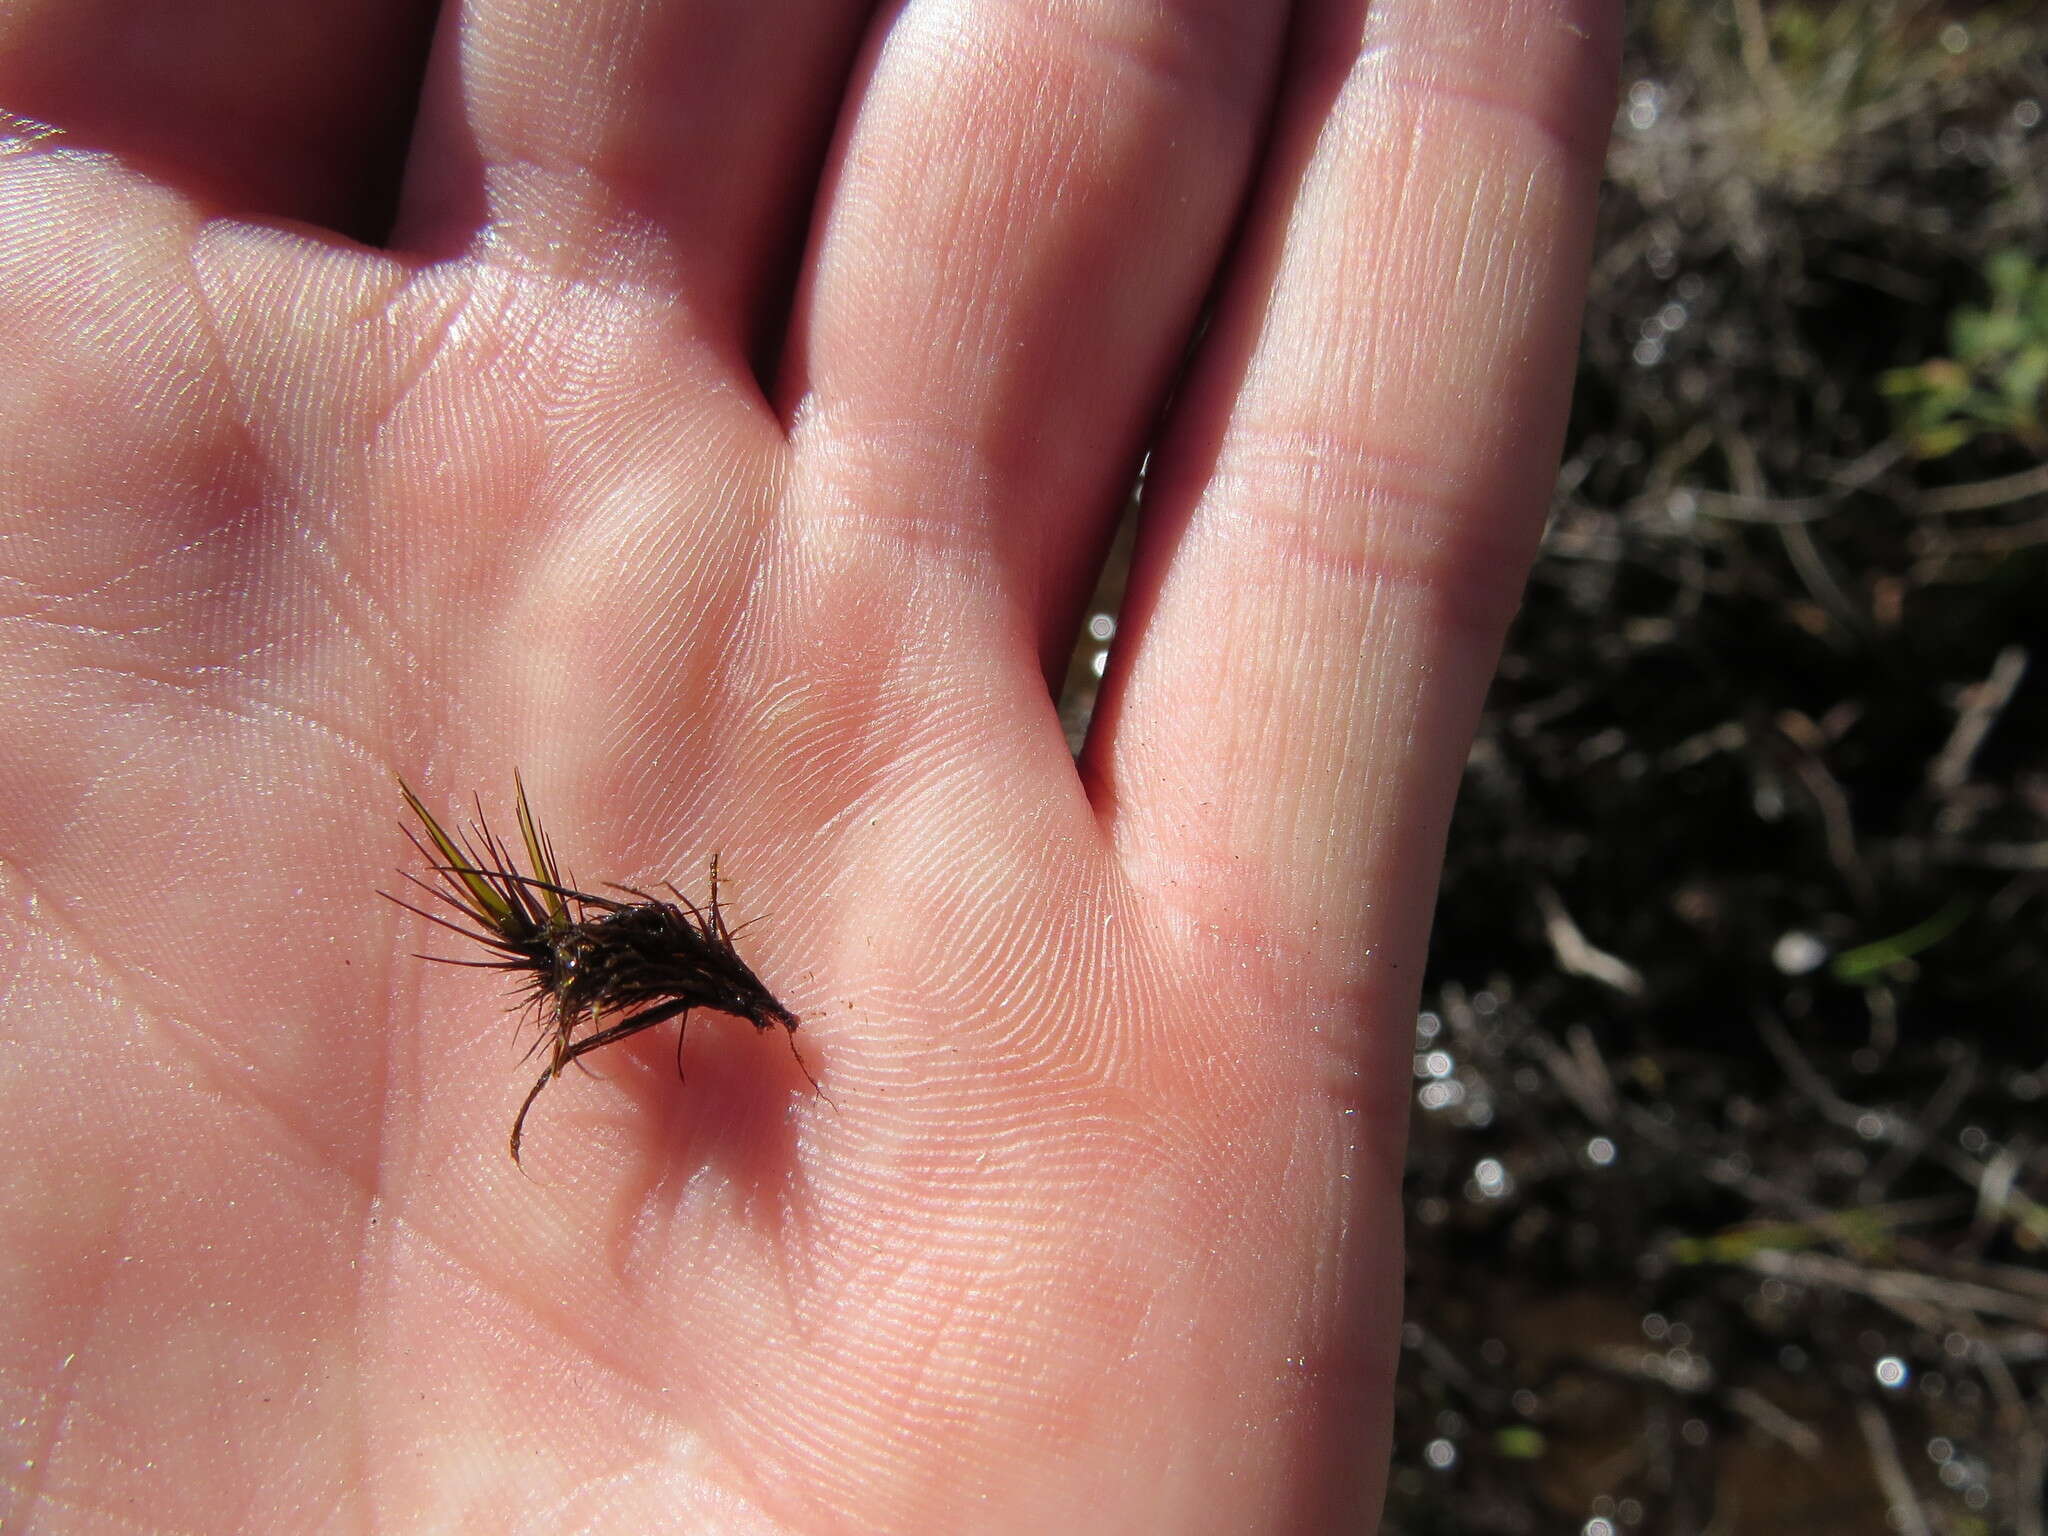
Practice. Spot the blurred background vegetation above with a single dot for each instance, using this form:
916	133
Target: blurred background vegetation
1728	1194
1726	1181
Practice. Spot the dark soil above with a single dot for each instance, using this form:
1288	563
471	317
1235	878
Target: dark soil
1727	1170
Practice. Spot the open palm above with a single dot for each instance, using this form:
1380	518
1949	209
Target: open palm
725	438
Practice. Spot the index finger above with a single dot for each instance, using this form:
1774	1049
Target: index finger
1337	535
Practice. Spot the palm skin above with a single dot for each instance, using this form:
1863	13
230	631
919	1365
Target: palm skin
1098	1229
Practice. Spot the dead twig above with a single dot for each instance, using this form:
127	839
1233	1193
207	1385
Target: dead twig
1795	1434
1898	1288
2029	1476
1906	1149
1986	855
1579	956
1907	1515
1978	495
1838	823
1977	712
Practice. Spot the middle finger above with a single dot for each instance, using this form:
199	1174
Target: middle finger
1023	212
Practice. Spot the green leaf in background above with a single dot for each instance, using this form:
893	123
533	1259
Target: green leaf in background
2010	273
1994	381
1866	962
2024	375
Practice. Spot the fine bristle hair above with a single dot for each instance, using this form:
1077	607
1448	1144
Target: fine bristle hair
591	970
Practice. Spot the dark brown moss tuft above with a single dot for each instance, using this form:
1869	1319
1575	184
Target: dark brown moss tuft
593	970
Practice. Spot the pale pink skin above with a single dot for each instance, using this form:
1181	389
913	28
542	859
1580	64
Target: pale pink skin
1102	1234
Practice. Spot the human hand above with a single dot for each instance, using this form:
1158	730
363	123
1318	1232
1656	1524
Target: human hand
747	512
